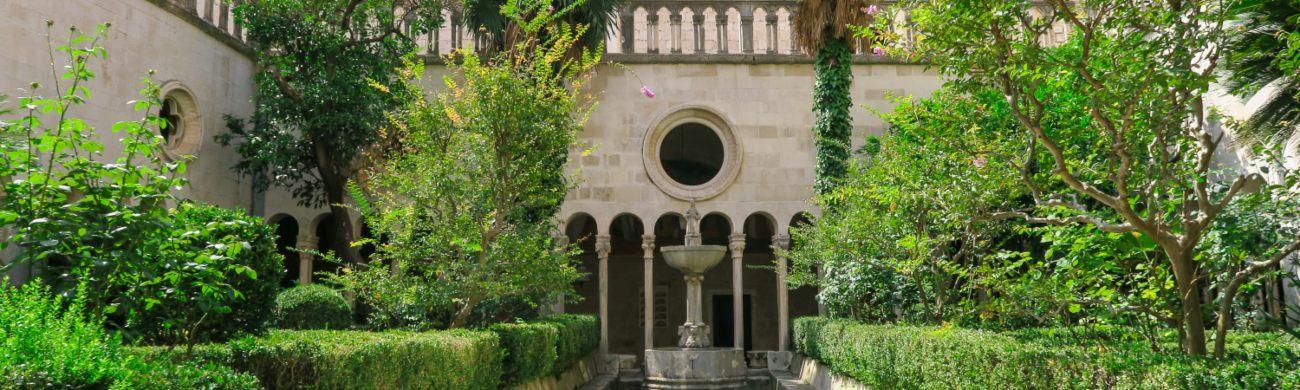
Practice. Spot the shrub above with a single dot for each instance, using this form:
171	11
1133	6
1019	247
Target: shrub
46	346
43	345
457	359
312	307
208	246
529	349
914	357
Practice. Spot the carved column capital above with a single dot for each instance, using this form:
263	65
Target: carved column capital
781	241
307	242
648	244
602	246
737	243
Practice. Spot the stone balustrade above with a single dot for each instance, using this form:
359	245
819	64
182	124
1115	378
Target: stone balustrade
648	30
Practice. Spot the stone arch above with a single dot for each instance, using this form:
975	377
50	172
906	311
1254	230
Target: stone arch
759	228
327	242
669	230
802	218
581	229
625	232
286	240
715	228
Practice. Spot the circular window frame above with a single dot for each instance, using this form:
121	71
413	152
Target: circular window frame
732	152
189	141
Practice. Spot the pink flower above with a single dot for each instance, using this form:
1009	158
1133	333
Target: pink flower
878	51
872	9
980	161
647	92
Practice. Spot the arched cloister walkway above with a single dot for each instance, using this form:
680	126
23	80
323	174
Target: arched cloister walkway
640	299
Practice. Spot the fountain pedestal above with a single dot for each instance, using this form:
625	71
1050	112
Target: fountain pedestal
694	364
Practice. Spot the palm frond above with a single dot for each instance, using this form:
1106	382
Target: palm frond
817	21
1258	62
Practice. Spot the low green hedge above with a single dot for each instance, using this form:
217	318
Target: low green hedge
921	357
578	336
312	306
331	359
502	356
529	350
548	346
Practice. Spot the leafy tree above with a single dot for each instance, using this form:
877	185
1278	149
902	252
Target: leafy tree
1141	71
1263	52
907	235
457	206
323	66
822	28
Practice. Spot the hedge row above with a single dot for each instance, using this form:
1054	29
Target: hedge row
504	355
332	359
917	357
546	347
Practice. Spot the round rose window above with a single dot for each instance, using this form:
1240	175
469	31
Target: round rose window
691	154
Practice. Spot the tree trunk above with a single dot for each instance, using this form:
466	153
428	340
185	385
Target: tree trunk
462	316
335	186
1189	298
342	224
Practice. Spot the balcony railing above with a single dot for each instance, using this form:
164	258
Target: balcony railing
674	29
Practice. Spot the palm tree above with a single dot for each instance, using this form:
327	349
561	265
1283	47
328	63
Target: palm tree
597	15
821	27
1263	56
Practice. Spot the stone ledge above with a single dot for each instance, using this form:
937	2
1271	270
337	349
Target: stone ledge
189	16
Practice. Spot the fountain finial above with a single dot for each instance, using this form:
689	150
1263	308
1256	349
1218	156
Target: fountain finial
692	225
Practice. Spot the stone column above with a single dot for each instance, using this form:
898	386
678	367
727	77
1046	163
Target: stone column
602	250
305	259
737	289
782	241
648	253
561	242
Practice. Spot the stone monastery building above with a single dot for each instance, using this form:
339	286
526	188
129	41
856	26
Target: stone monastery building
729	126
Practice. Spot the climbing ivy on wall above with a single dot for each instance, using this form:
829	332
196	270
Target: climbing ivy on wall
831	102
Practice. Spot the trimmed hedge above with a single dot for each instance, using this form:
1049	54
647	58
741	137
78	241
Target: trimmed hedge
331	359
312	306
529	351
503	356
920	357
578	336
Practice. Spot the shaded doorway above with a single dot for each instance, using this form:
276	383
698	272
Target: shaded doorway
723	330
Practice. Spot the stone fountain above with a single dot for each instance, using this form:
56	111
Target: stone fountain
694	364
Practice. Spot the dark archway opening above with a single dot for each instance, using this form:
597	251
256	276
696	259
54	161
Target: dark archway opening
286	240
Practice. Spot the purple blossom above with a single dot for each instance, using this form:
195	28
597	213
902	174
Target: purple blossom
872	9
878	51
647	92
980	161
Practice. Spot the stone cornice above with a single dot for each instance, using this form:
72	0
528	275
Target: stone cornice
191	17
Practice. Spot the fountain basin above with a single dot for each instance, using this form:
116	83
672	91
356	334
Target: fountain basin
695	368
693	259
